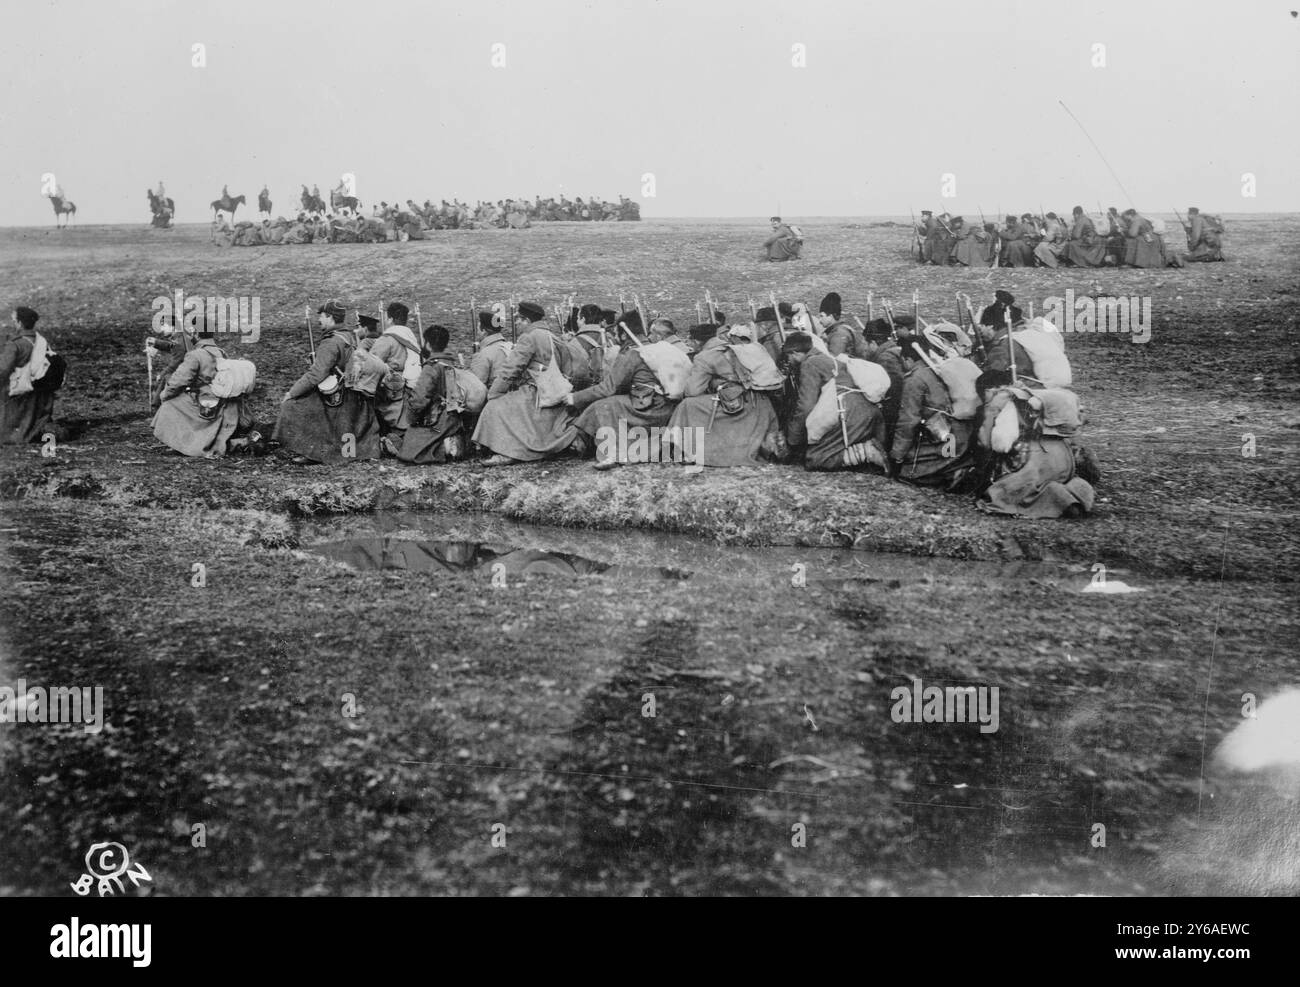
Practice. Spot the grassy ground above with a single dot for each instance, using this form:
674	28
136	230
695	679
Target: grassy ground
524	706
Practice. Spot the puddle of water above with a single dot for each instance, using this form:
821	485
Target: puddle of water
441	541
431	555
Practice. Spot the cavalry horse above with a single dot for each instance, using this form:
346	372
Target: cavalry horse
163	210
263	204
340	201
227	203
312	203
63	207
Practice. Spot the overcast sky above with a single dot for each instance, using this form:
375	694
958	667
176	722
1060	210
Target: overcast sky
700	93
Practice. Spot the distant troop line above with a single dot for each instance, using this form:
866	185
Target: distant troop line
1046	240
394	221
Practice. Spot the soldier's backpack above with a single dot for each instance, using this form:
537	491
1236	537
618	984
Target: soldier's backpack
363	371
233	378
23	380
798	233
396	381
462	391
551	383
1213	224
1046	347
670	366
870	378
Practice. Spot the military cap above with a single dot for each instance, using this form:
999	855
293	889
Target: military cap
334	309
532	311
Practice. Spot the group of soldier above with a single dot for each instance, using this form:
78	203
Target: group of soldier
985	407
1131	240
387	222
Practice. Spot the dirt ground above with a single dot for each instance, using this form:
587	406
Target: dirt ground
487	714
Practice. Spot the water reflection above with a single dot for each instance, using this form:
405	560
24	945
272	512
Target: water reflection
420	555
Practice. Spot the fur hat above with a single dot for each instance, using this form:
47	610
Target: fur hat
831	305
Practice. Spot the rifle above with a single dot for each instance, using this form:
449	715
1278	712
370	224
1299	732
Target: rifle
975	328
753	309
699	315
889	314
419	326
1011	344
713	312
473	324
306	311
870	313
514	333
636	302
622	305
1186	229
916	237
916	308
148	363
776	310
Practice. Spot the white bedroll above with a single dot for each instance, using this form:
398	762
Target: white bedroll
670	366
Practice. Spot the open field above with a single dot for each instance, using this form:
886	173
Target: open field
524	705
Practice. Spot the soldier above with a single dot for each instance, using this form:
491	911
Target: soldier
513	425
1048	252
782	244
333	424
1016	250
436	432
1204	241
629	397
493	349
883	348
1114	235
996	337
191	418
974	245
862	421
663	331
1143	246
27	402
940	240
1084	248
590	343
729	395
397	347
837	334
923	231
930	447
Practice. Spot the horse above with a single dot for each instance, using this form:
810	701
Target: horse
339	201
163	210
228	203
63	207
263	203
312	203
